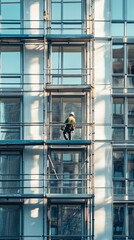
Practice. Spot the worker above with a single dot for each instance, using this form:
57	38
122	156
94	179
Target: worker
69	126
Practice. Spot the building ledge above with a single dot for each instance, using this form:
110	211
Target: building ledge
21	142
69	37
68	142
68	88
69	196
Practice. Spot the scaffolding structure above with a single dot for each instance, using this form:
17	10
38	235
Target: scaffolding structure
64	186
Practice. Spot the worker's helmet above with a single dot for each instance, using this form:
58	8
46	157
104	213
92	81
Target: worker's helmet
72	114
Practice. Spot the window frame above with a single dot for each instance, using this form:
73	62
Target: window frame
14	22
56	172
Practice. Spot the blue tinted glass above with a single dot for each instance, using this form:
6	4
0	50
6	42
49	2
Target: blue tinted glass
72	11
72	62
130	9
56	11
130	29
118	29
12	60
10	11
117	9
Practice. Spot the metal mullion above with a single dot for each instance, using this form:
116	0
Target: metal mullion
126	116
126	172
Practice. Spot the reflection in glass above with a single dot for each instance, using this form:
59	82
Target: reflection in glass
10	173
119	220
118	133
66	220
131	133
130	67
118	82
130	157
119	187
118	110
130	82
69	175
118	59
10	221
130	111
118	163
131	220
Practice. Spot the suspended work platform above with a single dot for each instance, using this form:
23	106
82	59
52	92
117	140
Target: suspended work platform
68	142
68	88
69	37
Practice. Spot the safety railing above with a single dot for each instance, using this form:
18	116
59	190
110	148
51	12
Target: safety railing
75	26
55	131
123	187
21	82
21	184
25	26
22	26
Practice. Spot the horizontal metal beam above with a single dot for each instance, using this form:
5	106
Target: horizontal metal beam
69	37
69	196
41	142
21	142
68	142
68	88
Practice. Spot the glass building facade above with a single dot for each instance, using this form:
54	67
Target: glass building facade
57	57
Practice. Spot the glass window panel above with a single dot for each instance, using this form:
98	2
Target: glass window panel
118	133
10	28
72	11
131	187
73	66
62	66
130	7
119	220
118	110
130	111
117	9
10	133
72	28
130	29
130	82
130	158
118	163
10	11
118	29
118	82
10	110
10	82
56	28
10	173
69	171
130	67
118	59
130	133
119	187
56	11
61	107
131	220
12	60
10	220
67	220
